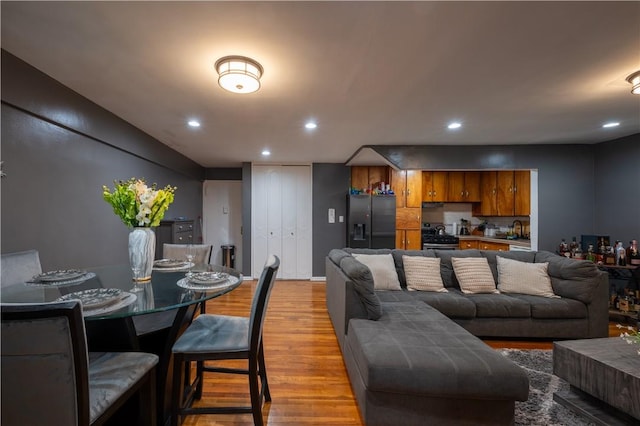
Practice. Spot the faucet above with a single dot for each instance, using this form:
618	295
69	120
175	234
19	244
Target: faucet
513	225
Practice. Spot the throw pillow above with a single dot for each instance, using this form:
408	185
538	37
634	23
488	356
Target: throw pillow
524	277
474	275
423	273
385	276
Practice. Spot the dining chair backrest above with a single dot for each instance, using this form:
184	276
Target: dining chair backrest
261	300
45	375
19	267
179	251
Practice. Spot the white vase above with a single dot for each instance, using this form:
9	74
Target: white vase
142	250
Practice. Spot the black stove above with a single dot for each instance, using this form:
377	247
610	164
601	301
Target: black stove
439	239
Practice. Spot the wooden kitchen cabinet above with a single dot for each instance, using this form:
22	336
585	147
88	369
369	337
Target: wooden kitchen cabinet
407	185
434	186
409	239
408	218
484	245
504	193
468	244
363	177
463	187
522	196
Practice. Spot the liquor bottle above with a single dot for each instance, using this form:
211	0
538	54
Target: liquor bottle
590	254
577	253
634	254
572	247
621	254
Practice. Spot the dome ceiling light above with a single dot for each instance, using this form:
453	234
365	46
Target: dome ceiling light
634	79
239	74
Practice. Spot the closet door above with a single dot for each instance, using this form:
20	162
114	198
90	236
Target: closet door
281	219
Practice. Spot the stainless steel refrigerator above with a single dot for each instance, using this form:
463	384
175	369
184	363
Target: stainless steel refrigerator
371	221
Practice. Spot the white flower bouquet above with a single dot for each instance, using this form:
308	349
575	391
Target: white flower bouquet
630	336
138	204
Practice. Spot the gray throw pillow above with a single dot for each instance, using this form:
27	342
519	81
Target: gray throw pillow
363	282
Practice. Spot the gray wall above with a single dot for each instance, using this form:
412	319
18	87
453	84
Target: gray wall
58	150
330	186
617	189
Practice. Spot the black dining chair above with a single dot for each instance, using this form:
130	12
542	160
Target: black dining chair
49	377
220	337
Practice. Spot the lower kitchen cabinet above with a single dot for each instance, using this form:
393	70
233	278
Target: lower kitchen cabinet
408	239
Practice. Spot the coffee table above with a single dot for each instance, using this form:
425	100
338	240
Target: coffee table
604	375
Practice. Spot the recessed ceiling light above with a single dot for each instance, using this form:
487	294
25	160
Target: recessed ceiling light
266	153
454	125
193	123
612	124
310	125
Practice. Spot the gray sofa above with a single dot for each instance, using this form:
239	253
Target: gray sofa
413	357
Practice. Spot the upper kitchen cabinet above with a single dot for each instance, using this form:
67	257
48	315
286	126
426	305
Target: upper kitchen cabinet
364	177
464	187
407	185
434	186
504	193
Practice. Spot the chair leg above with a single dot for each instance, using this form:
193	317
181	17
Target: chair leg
254	390
147	398
177	389
263	374
199	378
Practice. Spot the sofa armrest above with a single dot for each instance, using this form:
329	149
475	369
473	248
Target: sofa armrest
343	302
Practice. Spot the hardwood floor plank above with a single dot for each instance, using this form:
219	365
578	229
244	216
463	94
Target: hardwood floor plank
308	381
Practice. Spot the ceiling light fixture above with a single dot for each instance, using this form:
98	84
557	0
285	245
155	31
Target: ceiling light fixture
266	153
634	79
194	123
611	124
454	125
311	125
239	74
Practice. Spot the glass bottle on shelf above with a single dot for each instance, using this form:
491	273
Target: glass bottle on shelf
572	247
590	254
621	254
634	254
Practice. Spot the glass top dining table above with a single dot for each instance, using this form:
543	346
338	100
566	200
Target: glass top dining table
112	304
108	292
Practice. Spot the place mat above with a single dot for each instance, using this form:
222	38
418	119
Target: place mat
97	301
171	265
82	278
185	283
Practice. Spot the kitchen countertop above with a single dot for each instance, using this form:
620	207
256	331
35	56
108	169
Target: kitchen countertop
521	243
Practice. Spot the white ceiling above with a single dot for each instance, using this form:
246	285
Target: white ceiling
369	73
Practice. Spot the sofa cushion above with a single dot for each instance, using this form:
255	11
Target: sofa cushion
474	275
522	256
397	259
524	277
453	304
423	273
362	280
446	268
552	308
414	349
500	306
382	269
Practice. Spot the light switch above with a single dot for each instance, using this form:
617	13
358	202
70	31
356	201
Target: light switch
340	219
225	210
332	215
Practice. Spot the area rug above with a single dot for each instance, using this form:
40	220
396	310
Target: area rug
540	408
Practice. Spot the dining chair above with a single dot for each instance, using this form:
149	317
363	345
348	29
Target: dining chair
220	337
179	251
49	377
19	267
161	322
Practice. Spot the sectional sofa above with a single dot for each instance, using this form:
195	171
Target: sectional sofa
414	357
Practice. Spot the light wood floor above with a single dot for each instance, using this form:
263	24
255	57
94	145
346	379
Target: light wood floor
308	381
